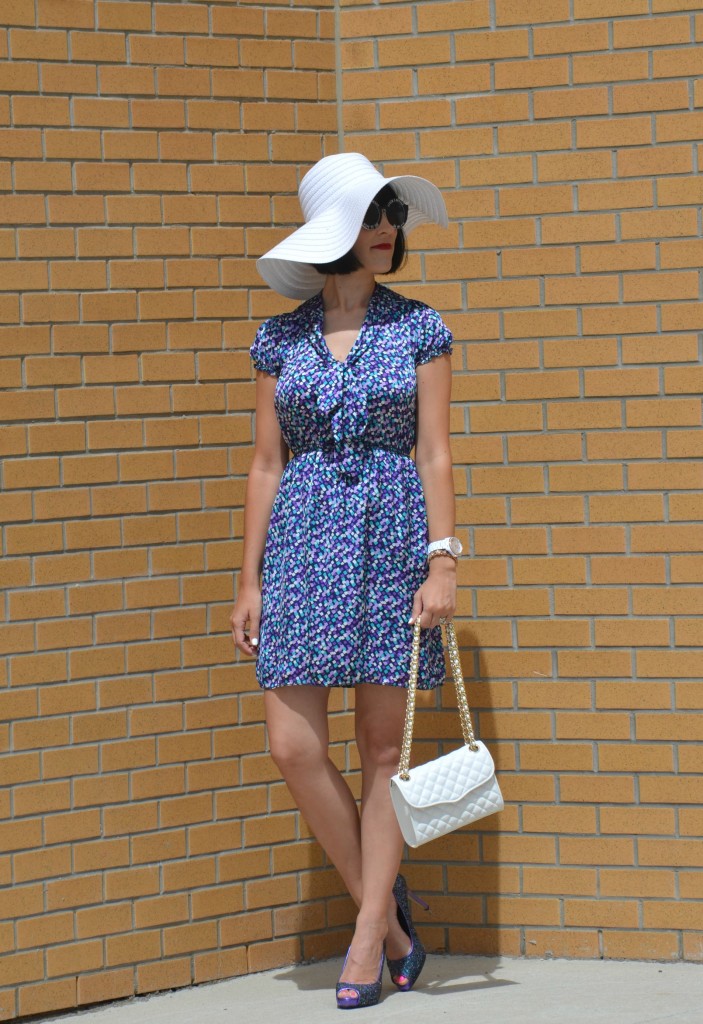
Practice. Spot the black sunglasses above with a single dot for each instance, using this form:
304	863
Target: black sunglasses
396	211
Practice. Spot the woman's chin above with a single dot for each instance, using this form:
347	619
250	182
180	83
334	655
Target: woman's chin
380	263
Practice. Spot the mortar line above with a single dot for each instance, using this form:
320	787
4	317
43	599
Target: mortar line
338	72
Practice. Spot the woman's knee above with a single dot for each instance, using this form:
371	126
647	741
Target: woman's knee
380	717
296	720
378	746
291	752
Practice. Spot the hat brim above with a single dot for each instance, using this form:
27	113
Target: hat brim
287	267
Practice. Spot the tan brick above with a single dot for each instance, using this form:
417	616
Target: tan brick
33	539
623	508
512	169
49	797
86	402
22	14
28	44
105	986
641	694
72	697
66	13
22	210
16	77
568	881
47	997
69	78
647	945
545	942
676	61
100	790
434	49
297	920
156	49
600	8
163	975
134	948
454	79
591	850
97	46
608	663
52	732
158	113
22	968
71	143
220	53
104	242
601	913
652	96
679	193
426	113
524	74
130	883
676	160
317	55
101	112
571	38
635	33
647	349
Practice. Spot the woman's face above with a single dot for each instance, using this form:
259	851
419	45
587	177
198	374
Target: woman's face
374	248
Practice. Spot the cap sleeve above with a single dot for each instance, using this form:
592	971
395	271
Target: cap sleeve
266	350
434	337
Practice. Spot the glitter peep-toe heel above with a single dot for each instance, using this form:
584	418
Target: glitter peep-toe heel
406	970
366	995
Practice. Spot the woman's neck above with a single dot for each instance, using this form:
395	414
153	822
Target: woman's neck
347	292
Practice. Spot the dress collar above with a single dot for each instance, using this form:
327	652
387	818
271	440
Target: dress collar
379	301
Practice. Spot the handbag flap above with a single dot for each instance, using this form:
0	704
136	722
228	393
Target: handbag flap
448	778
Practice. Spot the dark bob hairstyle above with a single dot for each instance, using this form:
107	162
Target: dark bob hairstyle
348	263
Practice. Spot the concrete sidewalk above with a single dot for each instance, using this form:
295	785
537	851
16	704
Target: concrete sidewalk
451	990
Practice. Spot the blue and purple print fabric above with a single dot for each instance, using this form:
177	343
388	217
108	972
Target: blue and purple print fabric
347	541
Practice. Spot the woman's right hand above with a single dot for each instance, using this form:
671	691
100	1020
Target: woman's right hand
247	609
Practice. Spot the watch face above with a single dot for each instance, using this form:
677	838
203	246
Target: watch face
455	546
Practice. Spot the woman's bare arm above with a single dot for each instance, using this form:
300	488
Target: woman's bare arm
436	597
269	461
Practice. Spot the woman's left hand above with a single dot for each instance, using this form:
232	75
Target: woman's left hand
436	598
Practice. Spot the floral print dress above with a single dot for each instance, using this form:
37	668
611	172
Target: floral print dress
347	541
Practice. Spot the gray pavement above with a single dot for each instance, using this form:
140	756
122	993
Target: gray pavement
451	990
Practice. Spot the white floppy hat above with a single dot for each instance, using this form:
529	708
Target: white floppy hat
334	196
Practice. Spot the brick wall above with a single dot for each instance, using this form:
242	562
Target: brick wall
146	152
566	139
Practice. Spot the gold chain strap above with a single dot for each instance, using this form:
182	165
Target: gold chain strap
464	713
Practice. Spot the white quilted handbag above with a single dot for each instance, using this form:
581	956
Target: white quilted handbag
453	790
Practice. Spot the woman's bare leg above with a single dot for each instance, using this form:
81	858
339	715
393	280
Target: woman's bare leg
380	714
296	717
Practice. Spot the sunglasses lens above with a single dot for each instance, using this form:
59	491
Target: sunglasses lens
397	213
372	217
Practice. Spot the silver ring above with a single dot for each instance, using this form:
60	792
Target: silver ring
443	622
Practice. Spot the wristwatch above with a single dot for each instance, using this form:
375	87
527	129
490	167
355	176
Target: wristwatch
452	546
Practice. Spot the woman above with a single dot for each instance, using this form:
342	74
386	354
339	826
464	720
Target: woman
338	517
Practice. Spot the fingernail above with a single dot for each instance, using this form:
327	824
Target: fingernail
254	642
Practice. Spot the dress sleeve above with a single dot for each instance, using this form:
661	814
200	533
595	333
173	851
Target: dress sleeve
266	350
434	337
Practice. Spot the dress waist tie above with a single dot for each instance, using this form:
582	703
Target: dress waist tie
347	456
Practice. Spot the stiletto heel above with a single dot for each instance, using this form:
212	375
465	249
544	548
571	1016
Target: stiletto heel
417	899
366	995
406	970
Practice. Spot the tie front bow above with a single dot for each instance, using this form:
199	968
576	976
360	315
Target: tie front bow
342	398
